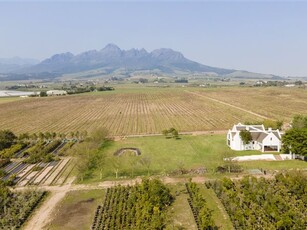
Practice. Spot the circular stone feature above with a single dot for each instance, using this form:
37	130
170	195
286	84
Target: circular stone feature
123	151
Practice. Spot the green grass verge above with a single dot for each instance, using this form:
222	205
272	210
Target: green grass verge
180	215
9	99
219	213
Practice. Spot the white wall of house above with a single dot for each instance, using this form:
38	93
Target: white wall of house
271	140
270	143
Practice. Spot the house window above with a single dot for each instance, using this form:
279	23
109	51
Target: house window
271	138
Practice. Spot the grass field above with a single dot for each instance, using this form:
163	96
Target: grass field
146	110
77	210
168	155
9	99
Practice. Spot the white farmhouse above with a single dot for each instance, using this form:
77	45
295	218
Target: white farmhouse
262	140
56	92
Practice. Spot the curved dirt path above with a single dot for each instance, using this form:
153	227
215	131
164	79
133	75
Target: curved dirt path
42	215
228	104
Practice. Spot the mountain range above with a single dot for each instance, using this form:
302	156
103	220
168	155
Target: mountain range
15	64
111	59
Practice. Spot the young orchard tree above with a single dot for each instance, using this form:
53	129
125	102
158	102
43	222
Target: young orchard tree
146	162
116	165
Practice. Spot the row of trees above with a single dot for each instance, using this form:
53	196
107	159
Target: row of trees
265	204
53	135
8	138
199	207
138	207
41	152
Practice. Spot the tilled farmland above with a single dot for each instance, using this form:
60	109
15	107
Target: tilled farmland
138	112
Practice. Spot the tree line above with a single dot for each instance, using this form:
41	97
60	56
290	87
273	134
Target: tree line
254	203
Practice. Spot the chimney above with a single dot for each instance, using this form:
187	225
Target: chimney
269	130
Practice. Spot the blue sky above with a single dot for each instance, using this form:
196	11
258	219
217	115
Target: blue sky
266	37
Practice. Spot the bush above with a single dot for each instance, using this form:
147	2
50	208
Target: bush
9	152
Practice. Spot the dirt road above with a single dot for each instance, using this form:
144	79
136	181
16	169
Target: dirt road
225	103
43	215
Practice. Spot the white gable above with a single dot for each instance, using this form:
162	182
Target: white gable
264	140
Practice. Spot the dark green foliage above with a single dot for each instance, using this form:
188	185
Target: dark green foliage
7	138
9	152
105	88
182	80
246	136
15	207
51	146
41	152
295	140
43	94
265	204
139	207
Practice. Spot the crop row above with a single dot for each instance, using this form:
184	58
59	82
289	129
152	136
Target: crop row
141	206
254	203
122	114
257	101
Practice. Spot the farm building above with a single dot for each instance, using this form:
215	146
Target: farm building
262	139
56	92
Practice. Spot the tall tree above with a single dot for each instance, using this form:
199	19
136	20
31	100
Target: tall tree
246	136
7	138
295	140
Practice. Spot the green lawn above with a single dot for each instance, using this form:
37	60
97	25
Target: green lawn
161	156
77	210
164	156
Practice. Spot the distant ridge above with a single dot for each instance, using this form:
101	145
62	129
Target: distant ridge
112	58
15	63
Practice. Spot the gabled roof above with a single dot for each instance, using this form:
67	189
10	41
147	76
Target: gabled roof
262	136
240	127
258	132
